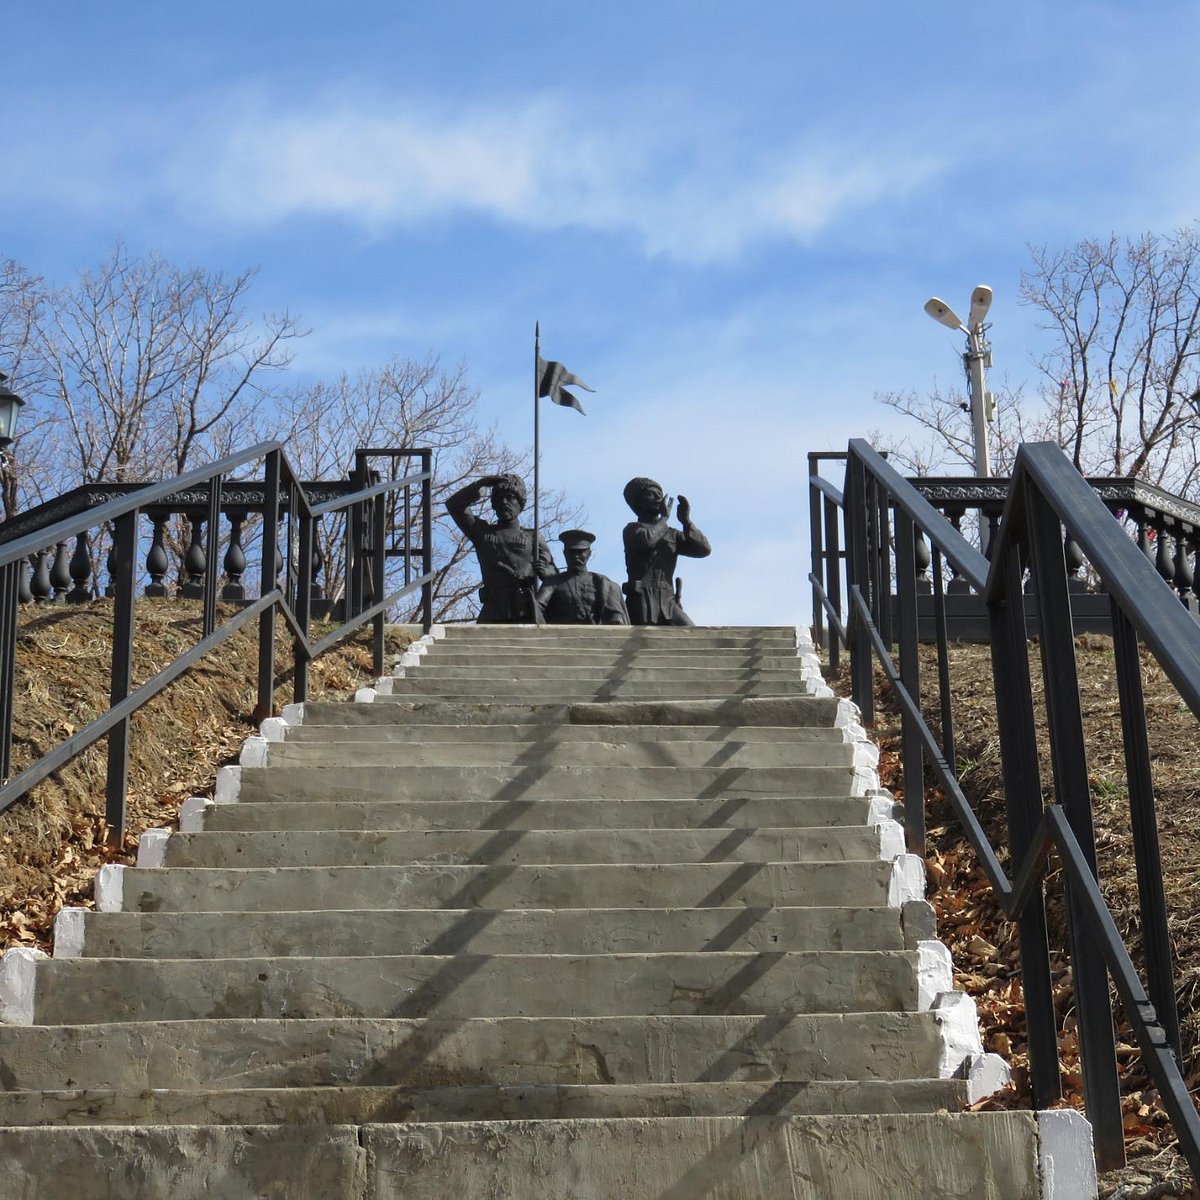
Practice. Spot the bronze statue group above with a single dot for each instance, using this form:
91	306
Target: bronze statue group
513	568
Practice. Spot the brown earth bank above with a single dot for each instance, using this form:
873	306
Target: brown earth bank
984	943
53	841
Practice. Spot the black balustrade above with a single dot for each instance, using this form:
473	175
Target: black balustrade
49	554
1054	543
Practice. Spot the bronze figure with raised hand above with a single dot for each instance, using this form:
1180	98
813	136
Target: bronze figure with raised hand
651	550
580	596
508	563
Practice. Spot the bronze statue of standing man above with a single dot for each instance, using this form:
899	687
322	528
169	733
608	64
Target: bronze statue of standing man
507	559
651	550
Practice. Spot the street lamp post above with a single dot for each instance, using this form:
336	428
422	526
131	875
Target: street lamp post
10	407
976	360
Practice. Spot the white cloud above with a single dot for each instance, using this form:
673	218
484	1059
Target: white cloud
682	184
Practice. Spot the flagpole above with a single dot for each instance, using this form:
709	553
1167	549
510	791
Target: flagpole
537	441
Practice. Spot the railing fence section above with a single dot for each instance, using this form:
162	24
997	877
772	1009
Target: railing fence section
872	542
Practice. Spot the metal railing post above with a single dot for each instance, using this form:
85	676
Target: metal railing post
910	676
817	557
307	533
1152	901
266	622
1101	1086
833	578
427	539
378	589
212	567
1023	797
121	675
10	584
857	557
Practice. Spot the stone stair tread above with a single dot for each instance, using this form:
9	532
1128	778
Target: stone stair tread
471	985
457	735
338	932
530	846
525	1102
631	885
547	782
733	813
264	1052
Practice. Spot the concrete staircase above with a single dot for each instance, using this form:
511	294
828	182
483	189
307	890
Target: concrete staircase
548	913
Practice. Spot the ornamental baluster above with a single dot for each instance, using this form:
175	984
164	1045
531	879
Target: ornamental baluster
1073	558
110	567
60	573
195	561
157	562
1184	575
318	561
80	568
956	586
24	592
1164	558
920	553
40	585
1144	542
235	559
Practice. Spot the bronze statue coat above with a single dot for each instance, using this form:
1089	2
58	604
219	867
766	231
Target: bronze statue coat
582	598
651	550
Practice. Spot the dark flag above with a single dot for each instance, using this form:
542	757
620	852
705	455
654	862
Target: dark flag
553	381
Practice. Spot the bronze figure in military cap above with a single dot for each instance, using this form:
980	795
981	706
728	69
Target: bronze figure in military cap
580	596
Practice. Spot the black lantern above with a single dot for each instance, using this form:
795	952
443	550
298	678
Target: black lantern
10	406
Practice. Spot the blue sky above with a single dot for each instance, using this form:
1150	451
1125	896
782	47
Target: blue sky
726	218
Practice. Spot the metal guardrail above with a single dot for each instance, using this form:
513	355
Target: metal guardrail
880	517
286	510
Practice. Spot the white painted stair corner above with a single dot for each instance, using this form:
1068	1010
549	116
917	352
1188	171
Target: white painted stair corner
152	847
1066	1156
109	888
18	984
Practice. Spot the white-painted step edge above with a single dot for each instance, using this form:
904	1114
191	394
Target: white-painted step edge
1066	1156
109	888
18	983
69	932
152	847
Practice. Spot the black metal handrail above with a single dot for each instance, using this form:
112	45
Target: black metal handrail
881	519
283	499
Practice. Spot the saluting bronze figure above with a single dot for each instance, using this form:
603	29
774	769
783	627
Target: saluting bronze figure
504	549
651	550
580	596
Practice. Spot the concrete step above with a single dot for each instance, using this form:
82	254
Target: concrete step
637	635
567	690
523	1102
390	932
985	1156
90	990
708	672
344	847
550	783
675	885
747	710
526	735
507	1051
577	656
742	813
723	753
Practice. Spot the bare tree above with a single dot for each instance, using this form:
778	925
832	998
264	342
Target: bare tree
25	469
1120	383
407	403
153	365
